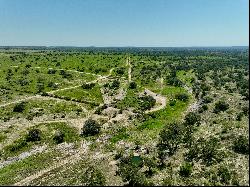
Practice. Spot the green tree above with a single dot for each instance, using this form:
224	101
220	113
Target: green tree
58	136
186	169
182	97
94	177
132	85
90	128
220	106
241	145
33	135
170	139
19	107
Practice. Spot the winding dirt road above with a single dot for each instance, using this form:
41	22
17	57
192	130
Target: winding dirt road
159	99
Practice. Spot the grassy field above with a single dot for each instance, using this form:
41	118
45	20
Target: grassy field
92	121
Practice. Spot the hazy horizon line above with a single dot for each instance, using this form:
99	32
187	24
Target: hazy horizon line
120	46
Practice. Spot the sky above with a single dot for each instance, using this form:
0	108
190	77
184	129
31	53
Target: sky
142	23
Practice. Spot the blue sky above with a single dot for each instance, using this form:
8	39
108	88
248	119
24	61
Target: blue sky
169	23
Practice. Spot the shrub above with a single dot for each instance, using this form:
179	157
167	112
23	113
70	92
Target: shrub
33	135
170	138
172	102
206	150
174	81
182	97
120	70
90	128
192	118
147	102
52	85
115	84
58	137
220	106
224	174
17	146
132	85
245	110
239	116
51	71
207	99
40	87
19	107
98	111
241	145
88	86
94	177
130	172
186	169
204	107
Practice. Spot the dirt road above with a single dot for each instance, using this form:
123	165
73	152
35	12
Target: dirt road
159	99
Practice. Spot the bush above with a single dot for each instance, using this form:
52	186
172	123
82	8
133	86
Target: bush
186	169
115	84
147	102
58	137
224	174
220	106
98	111
172	102
90	128
245	110
207	99
51	71
170	138
192	118
130	172
239	116
241	145
19	107
182	97
204	107
94	177
52	85
17	146
120	70
206	150
132	85
33	135
88	86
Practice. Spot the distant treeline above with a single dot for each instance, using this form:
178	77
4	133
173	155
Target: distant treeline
141	50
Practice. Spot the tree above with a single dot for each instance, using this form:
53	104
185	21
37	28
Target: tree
130	172
90	128
115	84
192	118
88	85
33	135
120	70
94	177
206	150
40	87
220	106
170	138
224	174
58	137
132	85
182	97
19	107
186	169
241	145
51	71
147	102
